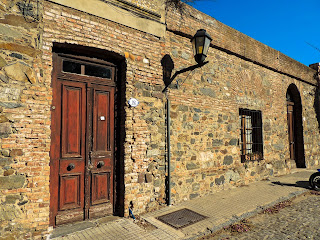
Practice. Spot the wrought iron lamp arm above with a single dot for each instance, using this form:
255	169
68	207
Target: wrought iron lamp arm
183	71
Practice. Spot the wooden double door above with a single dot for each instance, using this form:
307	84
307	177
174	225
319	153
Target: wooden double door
82	147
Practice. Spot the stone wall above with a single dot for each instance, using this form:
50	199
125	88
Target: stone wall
242	73
25	123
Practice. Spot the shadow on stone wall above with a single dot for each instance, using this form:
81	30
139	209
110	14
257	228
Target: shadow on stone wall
167	68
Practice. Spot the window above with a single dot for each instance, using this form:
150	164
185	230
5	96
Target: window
86	69
251	135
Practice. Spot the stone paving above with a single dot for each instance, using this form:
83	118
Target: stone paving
298	221
117	230
222	209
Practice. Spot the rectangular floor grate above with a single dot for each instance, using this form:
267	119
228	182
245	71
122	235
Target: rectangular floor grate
181	218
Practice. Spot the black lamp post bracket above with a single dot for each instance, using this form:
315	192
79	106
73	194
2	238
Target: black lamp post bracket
199	65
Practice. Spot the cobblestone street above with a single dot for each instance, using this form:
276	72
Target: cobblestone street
300	220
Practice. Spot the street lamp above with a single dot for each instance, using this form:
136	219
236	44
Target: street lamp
200	44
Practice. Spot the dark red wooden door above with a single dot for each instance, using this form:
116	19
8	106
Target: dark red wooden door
101	151
82	148
72	159
290	106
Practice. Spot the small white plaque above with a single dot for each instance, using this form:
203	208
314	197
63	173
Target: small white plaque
102	118
133	102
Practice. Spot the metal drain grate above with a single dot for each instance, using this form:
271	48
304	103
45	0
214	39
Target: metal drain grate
181	218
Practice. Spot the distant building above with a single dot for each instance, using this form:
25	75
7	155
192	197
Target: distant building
72	148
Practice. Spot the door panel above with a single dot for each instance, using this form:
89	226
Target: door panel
72	121
72	160
100	187
70	191
102	121
102	150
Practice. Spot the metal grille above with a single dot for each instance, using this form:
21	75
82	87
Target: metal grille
181	218
251	135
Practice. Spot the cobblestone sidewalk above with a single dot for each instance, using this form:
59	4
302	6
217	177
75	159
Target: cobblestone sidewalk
298	221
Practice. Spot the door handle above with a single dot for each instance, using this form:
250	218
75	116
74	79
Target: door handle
89	167
100	164
71	166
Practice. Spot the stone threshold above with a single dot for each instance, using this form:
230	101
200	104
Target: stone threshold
69	228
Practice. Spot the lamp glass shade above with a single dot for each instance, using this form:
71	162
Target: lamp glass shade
193	41
206	46
200	44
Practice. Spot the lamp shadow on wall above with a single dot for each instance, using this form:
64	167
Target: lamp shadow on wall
167	68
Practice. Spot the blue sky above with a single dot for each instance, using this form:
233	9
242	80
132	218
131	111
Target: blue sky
288	26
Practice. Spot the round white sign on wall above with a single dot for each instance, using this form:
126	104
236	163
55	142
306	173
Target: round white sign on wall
133	102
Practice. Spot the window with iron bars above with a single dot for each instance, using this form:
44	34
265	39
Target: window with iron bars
251	135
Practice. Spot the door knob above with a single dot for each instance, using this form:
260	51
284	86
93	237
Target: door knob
71	166
100	164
